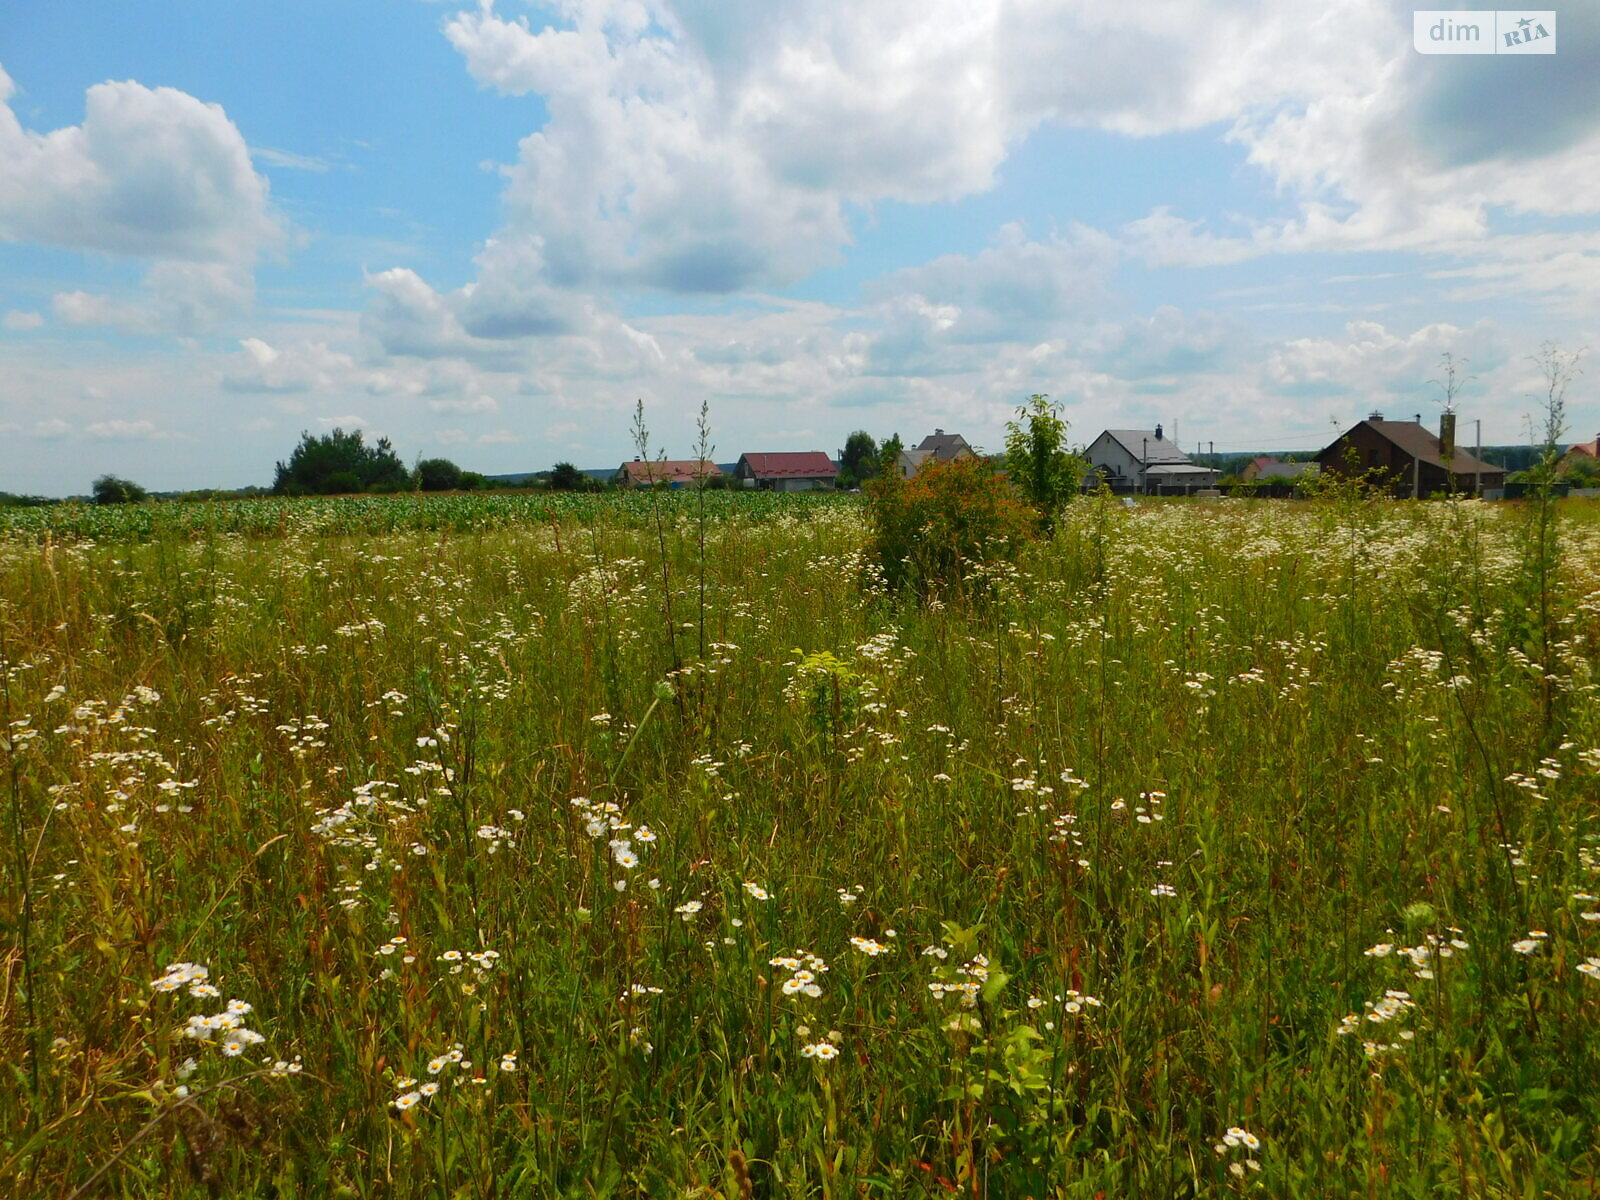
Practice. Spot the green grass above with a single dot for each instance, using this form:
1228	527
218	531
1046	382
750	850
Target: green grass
1192	760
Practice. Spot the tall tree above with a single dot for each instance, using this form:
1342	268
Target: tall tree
858	462
564	477
438	475
332	461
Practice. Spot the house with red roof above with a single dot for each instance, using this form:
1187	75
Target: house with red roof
786	471
1581	450
672	472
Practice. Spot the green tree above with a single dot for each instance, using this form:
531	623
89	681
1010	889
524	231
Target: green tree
317	460
564	477
111	489
858	462
889	458
1581	472
438	475
1038	461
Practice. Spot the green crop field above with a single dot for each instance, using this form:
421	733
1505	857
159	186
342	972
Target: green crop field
472	847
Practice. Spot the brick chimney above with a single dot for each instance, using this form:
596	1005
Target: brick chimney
1447	436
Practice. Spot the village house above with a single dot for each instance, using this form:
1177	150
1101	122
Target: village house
1409	459
939	445
790	471
671	472
1277	468
1581	451
1145	460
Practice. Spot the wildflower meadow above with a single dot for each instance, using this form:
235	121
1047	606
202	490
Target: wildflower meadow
646	846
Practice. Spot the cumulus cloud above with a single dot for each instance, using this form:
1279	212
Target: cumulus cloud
152	173
20	321
176	297
466	404
407	317
1169	343
1372	361
309	366
51	428
121	430
1011	291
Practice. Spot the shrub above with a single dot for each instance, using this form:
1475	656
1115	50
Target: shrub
110	489
564	477
438	475
931	533
317	460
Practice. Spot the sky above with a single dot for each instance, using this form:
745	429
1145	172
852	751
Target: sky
486	230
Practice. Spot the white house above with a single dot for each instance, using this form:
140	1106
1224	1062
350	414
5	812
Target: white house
1143	460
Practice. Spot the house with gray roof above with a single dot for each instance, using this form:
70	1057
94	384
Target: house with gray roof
946	447
938	445
1145	460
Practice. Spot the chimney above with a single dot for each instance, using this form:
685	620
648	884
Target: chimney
1447	436
1158	433
938	433
1374	415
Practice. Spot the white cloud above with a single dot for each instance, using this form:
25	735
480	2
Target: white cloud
176	297
120	430
152	173
19	320
500	437
1165	346
1372	362
696	148
1011	291
309	366
53	427
466	404
288	160
407	317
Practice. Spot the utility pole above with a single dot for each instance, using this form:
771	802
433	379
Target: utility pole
1477	455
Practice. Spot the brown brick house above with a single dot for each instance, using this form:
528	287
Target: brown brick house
1409	458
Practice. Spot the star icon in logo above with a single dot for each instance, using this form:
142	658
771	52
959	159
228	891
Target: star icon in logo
1524	23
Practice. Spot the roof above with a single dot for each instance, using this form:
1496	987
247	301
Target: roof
1276	468
915	458
1592	449
669	470
1421	445
791	464
944	445
1178	468
1147	447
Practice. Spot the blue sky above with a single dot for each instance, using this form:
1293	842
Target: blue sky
486	229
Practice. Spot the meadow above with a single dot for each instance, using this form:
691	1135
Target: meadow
630	847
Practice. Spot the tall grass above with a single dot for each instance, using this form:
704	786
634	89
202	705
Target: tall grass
1223	848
